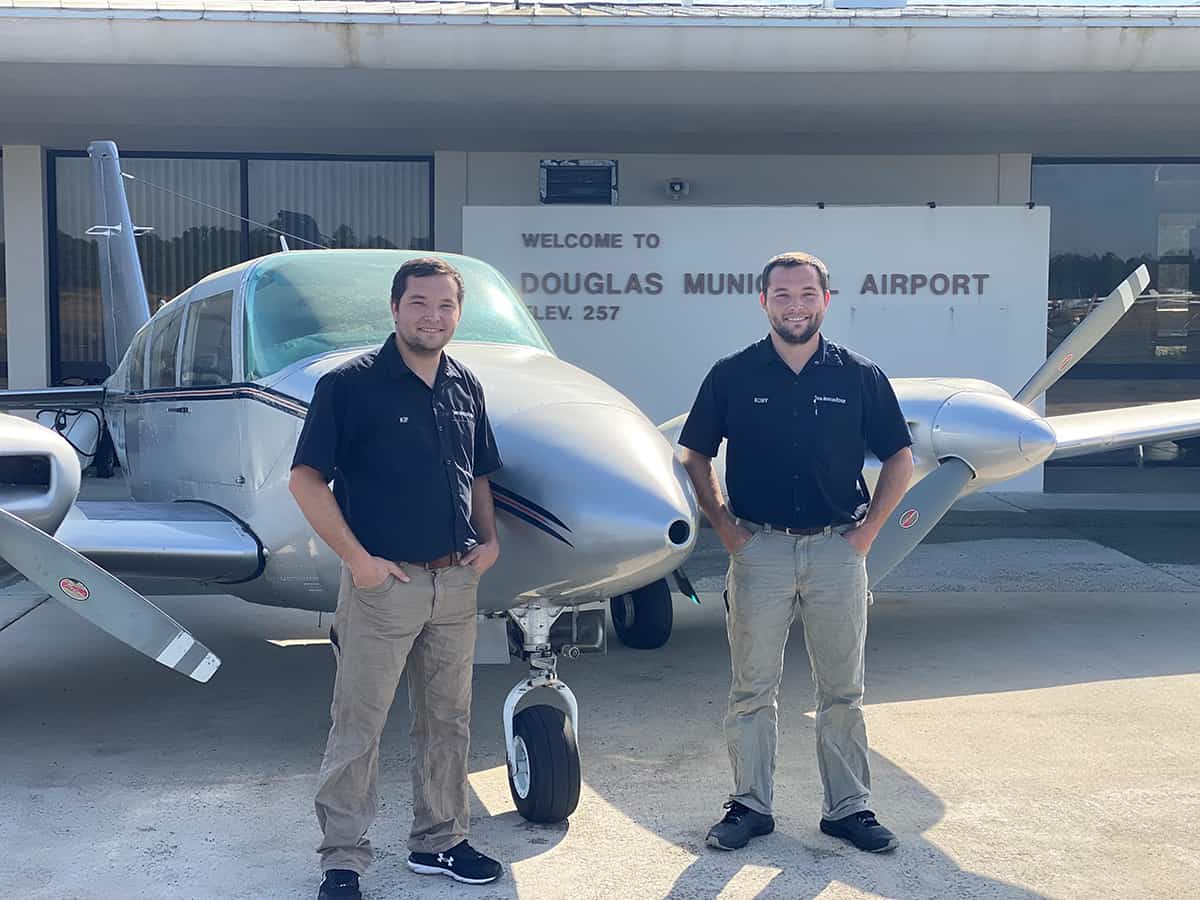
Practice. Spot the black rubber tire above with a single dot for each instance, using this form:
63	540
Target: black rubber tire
653	617
553	764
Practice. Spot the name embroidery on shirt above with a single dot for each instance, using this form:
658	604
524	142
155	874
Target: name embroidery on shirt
761	399
819	398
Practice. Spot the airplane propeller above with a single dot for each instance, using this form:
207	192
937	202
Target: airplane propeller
103	600
931	498
922	508
1085	336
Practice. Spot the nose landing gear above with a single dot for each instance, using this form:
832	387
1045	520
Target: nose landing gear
539	741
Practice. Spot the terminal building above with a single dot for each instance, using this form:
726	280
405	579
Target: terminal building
381	124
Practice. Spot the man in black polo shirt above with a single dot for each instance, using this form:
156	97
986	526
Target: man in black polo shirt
404	434
798	413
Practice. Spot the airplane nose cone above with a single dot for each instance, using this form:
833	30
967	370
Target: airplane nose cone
1037	441
996	436
622	505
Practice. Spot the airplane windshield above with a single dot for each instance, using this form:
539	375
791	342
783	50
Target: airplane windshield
306	303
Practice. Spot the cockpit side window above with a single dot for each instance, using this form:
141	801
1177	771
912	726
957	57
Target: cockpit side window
207	344
164	344
137	361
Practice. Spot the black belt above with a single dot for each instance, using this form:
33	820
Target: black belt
794	532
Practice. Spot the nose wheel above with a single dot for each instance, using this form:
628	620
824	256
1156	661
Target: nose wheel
540	745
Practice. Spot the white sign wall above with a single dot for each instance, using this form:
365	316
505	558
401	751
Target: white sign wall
649	297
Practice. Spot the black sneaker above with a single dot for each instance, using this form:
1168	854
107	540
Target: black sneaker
739	825
461	862
863	830
339	884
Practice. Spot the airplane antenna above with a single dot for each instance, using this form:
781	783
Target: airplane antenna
283	243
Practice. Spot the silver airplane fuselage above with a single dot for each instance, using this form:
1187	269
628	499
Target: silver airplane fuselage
590	501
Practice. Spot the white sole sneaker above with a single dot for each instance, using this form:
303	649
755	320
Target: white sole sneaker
438	870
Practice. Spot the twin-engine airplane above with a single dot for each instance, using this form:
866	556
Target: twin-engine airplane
207	398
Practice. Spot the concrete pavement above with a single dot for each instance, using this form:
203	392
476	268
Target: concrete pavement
1026	742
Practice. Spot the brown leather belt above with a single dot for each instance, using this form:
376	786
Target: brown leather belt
442	562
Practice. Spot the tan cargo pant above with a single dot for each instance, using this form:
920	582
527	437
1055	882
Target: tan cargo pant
770	579
428	626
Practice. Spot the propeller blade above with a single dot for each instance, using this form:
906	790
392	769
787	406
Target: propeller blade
685	586
1087	334
106	602
922	508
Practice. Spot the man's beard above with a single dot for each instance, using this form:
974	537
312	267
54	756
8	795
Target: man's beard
789	337
424	344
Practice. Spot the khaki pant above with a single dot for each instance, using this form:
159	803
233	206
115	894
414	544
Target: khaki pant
770	579
428	627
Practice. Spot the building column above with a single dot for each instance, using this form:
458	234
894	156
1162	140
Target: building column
449	198
1013	184
26	266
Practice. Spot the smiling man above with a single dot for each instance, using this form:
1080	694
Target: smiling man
799	413
403	433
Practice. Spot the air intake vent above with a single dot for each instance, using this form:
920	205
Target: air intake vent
25	471
590	181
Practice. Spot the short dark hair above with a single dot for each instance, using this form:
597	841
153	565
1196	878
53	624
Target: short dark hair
422	267
791	261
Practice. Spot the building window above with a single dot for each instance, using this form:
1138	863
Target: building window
195	207
1106	218
189	240
336	203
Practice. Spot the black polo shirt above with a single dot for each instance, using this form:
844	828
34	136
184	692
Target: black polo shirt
796	442
402	456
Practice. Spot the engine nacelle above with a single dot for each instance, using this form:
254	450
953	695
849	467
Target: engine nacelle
39	473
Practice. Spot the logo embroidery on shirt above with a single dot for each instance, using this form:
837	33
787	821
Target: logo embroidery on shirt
403	420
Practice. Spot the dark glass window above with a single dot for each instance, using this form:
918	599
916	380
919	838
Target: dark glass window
137	361
207	342
1105	220
339	203
194	206
164	348
189	240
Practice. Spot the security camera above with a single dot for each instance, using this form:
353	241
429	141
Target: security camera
676	188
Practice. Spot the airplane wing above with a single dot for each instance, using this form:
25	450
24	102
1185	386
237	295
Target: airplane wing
1111	429
188	541
88	396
